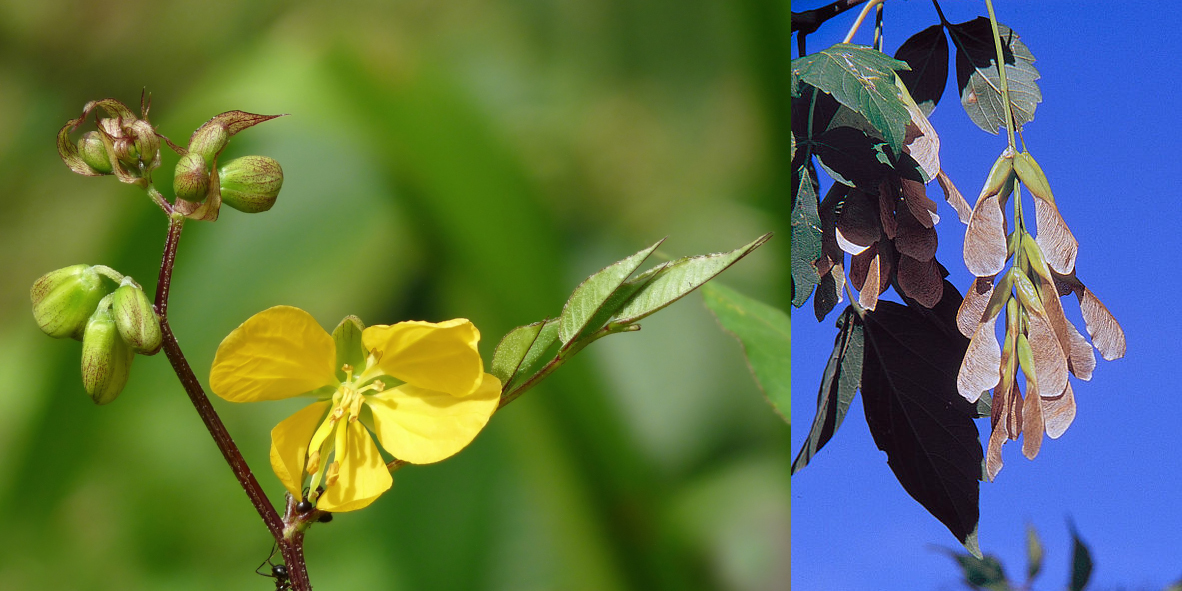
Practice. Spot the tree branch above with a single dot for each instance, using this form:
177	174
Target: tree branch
809	21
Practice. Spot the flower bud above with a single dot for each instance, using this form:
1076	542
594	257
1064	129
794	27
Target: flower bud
209	140
191	181
64	299
251	184
94	153
126	152
136	318
106	359
147	143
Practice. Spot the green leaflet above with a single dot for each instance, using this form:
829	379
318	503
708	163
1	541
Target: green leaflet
983	573
1034	553
1081	562
660	286
839	385
806	238
862	79
765	332
532	358
607	302
512	349
593	293
978	78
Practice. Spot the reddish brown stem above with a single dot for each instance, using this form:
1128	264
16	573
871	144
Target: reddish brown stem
292	547
213	423
175	225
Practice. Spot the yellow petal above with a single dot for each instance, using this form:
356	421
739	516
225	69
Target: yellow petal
435	356
278	353
289	445
423	426
363	476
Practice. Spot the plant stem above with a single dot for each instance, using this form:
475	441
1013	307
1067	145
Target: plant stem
943	20
1019	224
849	36
159	199
1001	70
877	44
292	548
176	223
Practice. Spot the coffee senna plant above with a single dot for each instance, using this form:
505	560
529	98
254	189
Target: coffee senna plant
928	367
380	397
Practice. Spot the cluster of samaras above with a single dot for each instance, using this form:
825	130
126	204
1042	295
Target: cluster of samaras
889	235
1039	341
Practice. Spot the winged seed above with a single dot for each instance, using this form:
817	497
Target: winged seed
985	239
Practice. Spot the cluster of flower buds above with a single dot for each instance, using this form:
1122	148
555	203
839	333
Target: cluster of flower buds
108	312
124	145
890	236
129	148
1039	342
249	184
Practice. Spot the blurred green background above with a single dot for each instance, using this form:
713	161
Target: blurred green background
443	159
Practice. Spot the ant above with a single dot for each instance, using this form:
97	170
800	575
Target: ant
278	572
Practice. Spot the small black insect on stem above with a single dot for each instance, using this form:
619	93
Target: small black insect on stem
278	572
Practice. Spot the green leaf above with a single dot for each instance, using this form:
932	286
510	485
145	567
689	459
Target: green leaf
843	375
1081	562
660	286
984	406
982	573
915	413
862	79
532	361
1033	553
765	333
1175	587
927	54
590	296
806	238
978	78
512	349
347	336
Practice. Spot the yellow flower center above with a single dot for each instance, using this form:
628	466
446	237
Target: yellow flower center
332	435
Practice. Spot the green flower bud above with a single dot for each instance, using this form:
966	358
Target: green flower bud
209	140
106	359
251	184
126	152
94	153
136	318
147	143
191	181
64	299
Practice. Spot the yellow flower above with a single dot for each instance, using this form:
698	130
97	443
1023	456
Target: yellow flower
420	387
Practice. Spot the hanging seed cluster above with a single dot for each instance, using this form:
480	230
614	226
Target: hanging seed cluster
889	235
1039	342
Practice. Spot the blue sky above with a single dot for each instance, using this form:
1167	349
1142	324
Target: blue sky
1106	134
